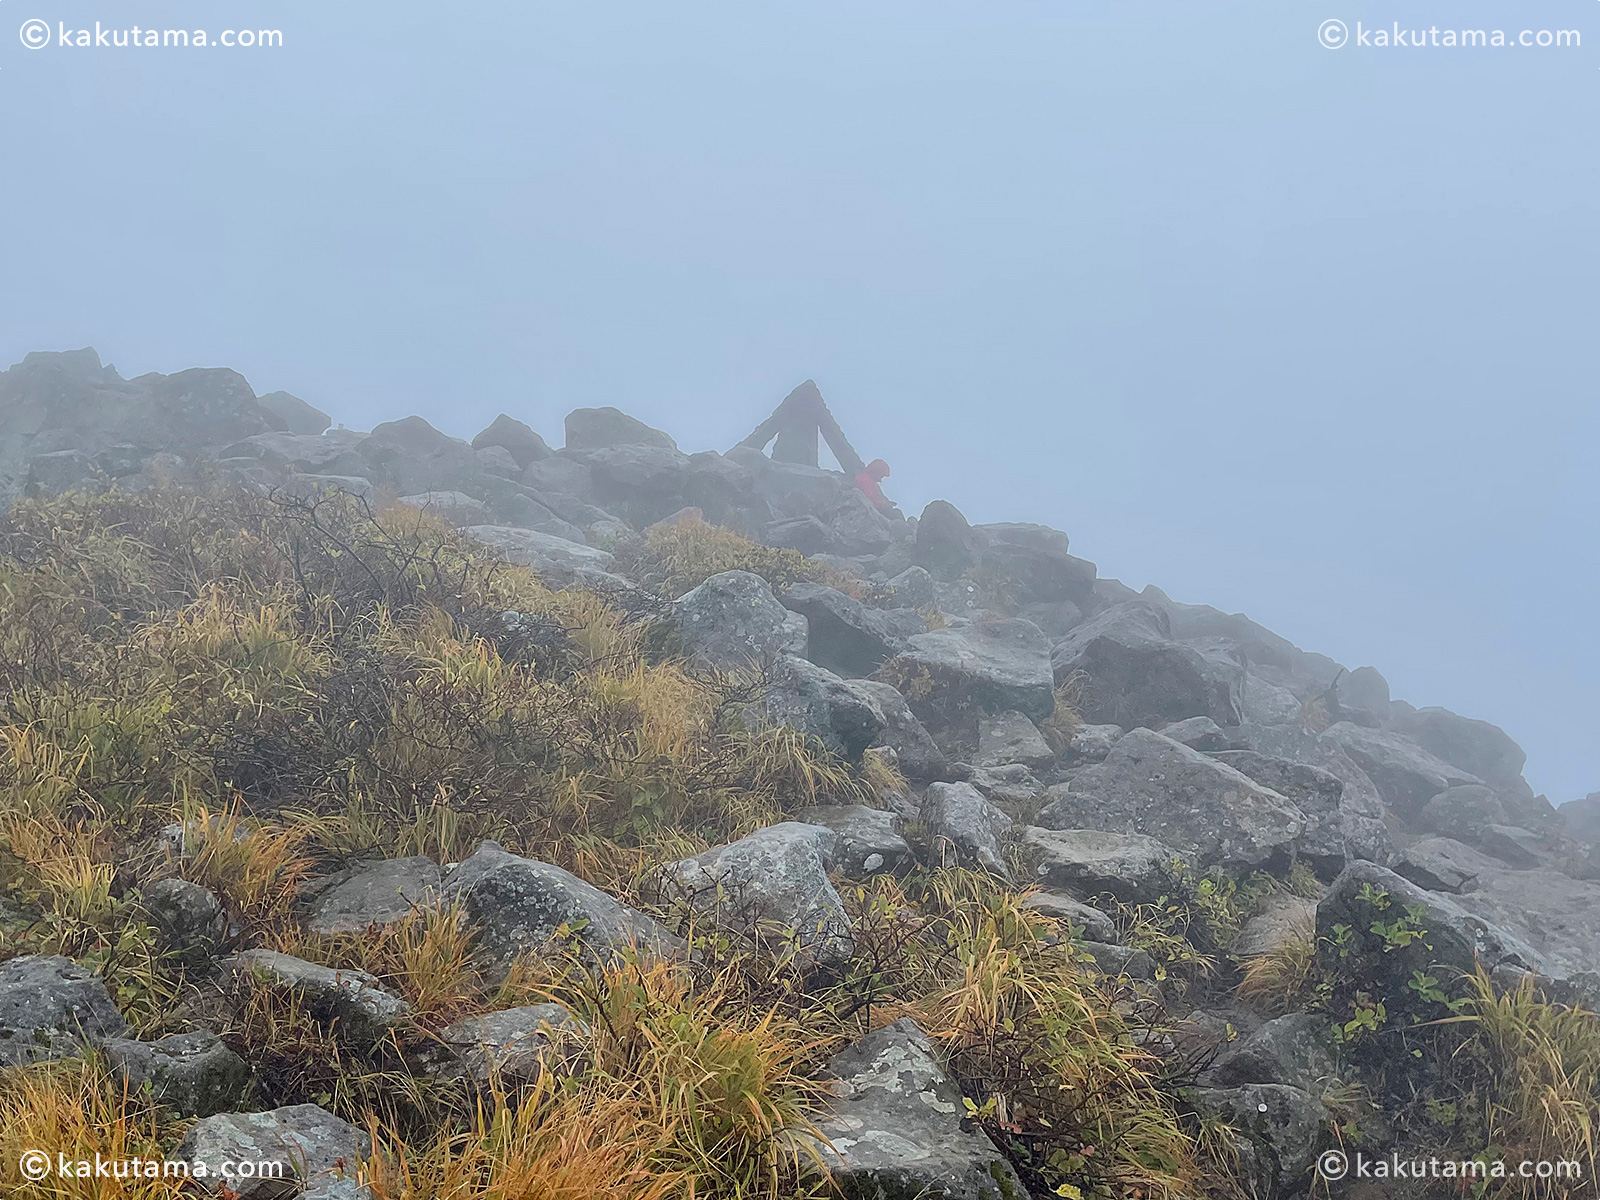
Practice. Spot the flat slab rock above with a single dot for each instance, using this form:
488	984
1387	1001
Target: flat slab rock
869	839
353	999
513	1045
375	894
320	1154
193	1074
894	1125
521	905
1130	866
997	665
49	1007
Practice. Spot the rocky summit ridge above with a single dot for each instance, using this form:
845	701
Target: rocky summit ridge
1091	747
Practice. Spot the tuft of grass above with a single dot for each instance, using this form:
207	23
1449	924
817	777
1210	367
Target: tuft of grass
254	868
673	559
1282	979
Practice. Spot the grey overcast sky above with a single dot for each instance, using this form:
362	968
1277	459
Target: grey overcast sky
1298	332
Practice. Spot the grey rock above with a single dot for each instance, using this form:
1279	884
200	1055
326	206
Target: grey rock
496	460
946	545
918	755
320	1153
1129	866
807	534
642	483
1092	743
50	1007
1264	702
868	839
512	1046
913	587
1463	812
1200	733
1405	774
1135	673
458	508
1097	927
1318	794
1011	784
995	665
62	471
1513	845
1055	618
1475	747
521	905
371	895
964	826
1282	1130
416	457
1361	697
1114	960
1284	918
1212	814
1297	1051
517	439
819	704
554	558
193	1074
1442	864
316	487
1556	915
351	999
733	620
1581	818
596	428
1009	737
846	636
188	917
334	452
1034	562
894	1125
294	414
775	877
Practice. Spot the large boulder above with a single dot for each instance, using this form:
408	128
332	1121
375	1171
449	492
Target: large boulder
1281	1128
819	704
895	1125
1362	819
1296	1050
1463	812
350	999
1130	866
515	438
50	1007
987	666
598	428
1405	774
946	545
1135	673
317	1155
370	895
1475	747
555	559
964	826
1212	814
193	1074
1443	864
846	636
415	457
1558	916
642	483
919	757
776	878
521	905
1033	563
733	620
1332	834
1361	697
294	414
1009	737
189	919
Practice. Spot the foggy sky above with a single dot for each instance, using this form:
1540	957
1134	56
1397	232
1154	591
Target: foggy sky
1302	333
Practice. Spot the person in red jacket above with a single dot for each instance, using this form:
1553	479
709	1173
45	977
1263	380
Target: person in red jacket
867	482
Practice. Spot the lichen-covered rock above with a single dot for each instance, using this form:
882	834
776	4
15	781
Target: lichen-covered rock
1092	743
320	1154
964	826
1475	747
512	1046
189	918
990	666
1130	866
1011	784
868	839
555	559
1406	775
912	587
1282	1128
1009	737
1463	812
1362	822
521	905
846	636
351	1000
1296	1050
50	1007
1096	926
775	878
733	620
818	703
1210	813
193	1074
596	428
1124	961
1332	836
373	894
894	1125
